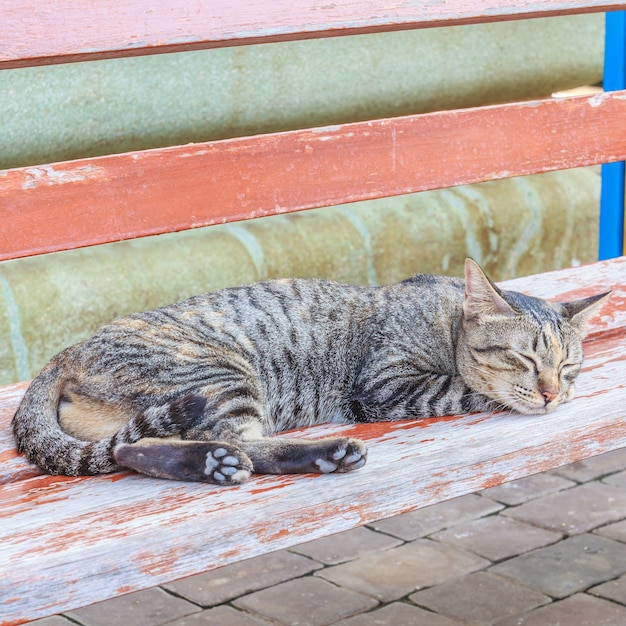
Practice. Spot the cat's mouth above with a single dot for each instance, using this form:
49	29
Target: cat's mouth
532	401
535	408
524	400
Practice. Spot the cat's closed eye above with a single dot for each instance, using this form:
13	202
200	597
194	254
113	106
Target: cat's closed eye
529	360
488	349
569	371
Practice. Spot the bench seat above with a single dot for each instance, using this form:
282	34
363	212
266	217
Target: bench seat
68	542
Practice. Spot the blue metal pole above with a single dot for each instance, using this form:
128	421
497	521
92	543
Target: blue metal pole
612	193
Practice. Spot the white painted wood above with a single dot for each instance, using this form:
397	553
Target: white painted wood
68	542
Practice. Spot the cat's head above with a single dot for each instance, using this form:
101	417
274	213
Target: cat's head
523	352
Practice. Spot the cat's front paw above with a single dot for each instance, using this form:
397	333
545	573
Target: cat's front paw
342	455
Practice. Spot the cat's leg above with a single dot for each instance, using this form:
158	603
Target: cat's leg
243	425
215	462
230	462
236	413
227	442
278	455
275	455
161	456
400	394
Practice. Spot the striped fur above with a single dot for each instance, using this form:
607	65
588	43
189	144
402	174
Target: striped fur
193	391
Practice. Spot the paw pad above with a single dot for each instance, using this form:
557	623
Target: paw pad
345	455
227	466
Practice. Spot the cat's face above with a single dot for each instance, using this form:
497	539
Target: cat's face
521	364
523	352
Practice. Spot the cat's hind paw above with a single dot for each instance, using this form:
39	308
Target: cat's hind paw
343	455
211	462
227	465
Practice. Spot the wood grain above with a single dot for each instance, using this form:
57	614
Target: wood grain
37	33
126	532
155	191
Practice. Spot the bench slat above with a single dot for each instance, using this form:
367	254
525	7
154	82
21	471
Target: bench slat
38	33
55	527
155	191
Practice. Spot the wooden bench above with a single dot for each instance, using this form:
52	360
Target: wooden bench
68	542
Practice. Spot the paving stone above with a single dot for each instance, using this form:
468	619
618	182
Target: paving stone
231	581
481	598
430	519
619	479
397	572
152	607
399	614
56	620
220	616
569	566
307	601
497	537
346	546
613	590
520	491
593	467
579	610
575	510
615	531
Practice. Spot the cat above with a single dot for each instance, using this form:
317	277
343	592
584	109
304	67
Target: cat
193	391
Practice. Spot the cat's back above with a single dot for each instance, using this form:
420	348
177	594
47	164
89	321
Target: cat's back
293	310
424	299
276	307
303	312
260	317
318	306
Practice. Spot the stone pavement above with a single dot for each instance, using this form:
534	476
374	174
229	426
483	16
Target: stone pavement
542	551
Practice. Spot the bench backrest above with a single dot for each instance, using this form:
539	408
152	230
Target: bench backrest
96	200
33	34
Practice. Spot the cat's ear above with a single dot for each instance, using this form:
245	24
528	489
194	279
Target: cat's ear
482	297
579	312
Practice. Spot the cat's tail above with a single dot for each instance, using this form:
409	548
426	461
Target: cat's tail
40	437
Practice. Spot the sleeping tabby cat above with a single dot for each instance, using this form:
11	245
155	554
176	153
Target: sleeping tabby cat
193	390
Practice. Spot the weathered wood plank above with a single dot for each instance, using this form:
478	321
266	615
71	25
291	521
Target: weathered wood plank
150	192
57	526
38	33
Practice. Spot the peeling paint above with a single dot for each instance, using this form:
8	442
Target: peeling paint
597	100
50	175
327	129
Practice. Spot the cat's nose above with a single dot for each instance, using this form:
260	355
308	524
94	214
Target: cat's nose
548	395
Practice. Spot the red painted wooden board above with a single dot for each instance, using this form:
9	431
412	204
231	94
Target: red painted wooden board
36	33
68	542
155	191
